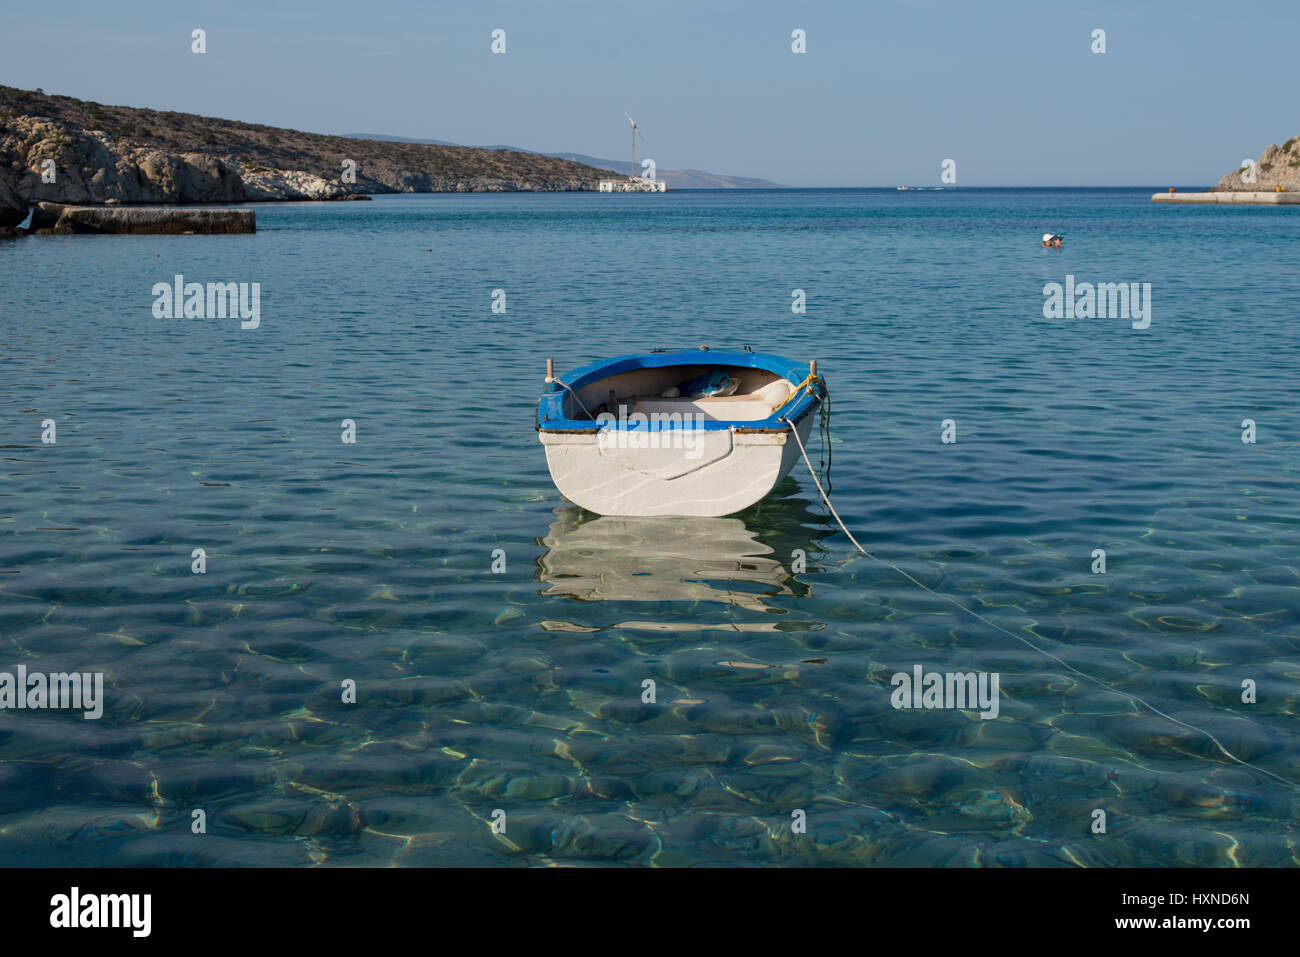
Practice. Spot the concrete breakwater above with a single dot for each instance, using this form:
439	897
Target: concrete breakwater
1272	181
56	219
1233	197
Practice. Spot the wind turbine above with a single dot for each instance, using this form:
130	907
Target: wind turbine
635	133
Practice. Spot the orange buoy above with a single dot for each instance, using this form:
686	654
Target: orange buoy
1172	190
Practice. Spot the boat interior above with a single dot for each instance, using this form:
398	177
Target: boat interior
757	394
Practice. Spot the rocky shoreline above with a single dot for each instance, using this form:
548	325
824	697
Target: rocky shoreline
1278	167
1272	181
56	149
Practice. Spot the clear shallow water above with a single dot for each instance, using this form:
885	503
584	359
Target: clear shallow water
522	691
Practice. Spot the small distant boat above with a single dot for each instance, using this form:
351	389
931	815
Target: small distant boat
698	432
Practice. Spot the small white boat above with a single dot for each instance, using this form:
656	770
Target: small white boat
703	433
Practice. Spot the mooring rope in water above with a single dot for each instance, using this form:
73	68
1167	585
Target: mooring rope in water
825	463
992	624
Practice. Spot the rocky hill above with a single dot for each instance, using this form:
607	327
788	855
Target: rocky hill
117	154
676	178
1278	166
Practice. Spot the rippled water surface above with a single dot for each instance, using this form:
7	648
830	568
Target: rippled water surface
523	691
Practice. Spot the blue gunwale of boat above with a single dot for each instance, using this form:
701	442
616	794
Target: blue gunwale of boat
550	409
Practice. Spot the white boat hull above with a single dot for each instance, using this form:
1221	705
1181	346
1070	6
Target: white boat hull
700	473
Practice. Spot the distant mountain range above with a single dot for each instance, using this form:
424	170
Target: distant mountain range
675	178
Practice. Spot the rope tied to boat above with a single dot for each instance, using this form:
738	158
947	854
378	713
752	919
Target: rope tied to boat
812	377
561	383
824	402
992	624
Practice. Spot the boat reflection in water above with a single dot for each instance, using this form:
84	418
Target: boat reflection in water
662	559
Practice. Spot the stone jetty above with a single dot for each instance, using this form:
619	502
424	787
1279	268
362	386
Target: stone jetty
1273	180
57	219
1235	197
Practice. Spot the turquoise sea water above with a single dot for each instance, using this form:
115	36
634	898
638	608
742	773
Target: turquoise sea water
522	691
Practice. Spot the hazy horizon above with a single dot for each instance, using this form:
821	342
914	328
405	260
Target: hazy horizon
882	97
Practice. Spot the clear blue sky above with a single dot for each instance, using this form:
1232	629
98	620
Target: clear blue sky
887	90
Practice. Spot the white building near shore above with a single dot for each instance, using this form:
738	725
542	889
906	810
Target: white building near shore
634	184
